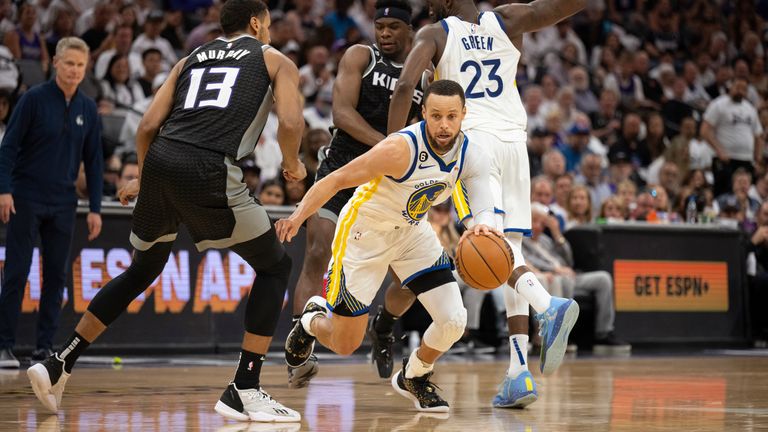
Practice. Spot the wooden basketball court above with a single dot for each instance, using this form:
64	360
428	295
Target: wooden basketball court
724	392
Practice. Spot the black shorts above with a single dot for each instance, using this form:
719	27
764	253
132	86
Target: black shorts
200	188
335	158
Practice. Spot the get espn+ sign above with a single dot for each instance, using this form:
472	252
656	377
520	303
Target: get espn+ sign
670	286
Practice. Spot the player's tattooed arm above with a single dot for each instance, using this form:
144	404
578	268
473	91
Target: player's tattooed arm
346	92
391	157
522	18
425	50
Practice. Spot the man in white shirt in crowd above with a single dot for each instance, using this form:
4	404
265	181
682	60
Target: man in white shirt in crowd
731	126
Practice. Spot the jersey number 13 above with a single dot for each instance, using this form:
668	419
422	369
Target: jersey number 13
223	86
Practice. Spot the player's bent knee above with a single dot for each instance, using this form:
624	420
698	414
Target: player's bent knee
453	329
262	310
117	294
345	347
347	334
441	335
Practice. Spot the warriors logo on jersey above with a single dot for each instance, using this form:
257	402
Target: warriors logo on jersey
389	202
420	201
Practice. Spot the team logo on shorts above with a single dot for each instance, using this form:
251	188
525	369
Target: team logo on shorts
420	201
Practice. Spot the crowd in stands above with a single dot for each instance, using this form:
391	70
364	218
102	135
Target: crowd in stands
638	110
648	107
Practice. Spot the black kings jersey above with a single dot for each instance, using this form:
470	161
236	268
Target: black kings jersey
376	88
223	97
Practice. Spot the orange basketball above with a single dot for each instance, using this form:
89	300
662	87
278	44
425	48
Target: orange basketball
484	262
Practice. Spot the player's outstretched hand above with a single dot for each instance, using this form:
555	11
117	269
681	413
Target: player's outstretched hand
287	228
128	192
295	171
481	229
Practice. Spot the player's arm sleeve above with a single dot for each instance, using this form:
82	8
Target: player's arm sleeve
17	129
477	186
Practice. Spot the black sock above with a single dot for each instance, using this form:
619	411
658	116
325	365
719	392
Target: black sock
72	350
385	322
248	370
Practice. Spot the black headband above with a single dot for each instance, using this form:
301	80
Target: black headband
393	12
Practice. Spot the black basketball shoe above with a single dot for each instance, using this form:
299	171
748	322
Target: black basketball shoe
381	348
299	344
299	377
420	390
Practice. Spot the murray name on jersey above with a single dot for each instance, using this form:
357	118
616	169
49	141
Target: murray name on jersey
217	54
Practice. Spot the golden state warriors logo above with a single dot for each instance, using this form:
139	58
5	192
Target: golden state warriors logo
421	200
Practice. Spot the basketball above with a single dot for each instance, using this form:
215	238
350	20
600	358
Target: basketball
484	262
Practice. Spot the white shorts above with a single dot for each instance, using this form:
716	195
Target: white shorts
510	183
361	256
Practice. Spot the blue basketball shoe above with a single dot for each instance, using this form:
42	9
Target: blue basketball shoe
556	324
516	392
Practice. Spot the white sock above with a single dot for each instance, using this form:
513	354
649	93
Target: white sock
416	367
518	355
533	291
306	320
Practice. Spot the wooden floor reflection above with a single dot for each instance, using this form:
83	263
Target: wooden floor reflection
632	394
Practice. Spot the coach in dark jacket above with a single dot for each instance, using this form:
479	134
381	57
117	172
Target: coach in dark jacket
53	128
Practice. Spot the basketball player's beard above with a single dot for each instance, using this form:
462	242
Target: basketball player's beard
434	144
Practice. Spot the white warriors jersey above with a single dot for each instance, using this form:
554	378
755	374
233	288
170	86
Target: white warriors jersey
483	60
386	202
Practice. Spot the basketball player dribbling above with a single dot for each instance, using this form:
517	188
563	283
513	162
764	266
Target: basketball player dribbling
208	114
361	95
481	51
382	226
